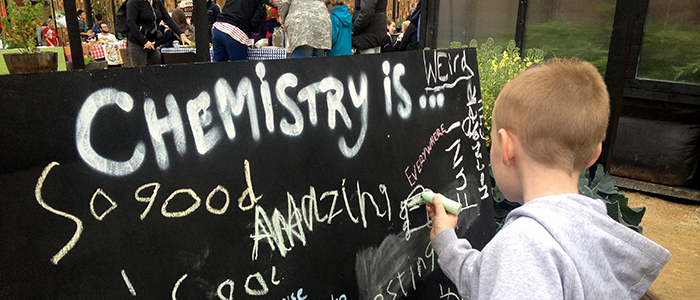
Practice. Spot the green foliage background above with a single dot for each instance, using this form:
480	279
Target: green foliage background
669	52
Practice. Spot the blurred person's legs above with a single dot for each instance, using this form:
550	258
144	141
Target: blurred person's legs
154	57
226	48
307	51
140	56
319	52
302	51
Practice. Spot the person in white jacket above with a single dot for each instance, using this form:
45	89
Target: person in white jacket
548	125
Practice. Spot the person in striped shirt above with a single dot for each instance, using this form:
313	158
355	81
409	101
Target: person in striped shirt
234	26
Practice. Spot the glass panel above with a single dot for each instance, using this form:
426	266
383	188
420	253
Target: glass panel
671	46
464	20
565	28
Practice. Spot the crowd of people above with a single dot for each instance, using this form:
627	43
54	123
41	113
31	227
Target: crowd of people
311	28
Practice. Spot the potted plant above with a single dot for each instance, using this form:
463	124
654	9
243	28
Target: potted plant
19	31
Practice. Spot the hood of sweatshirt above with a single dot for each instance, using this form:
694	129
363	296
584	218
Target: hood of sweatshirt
608	256
343	15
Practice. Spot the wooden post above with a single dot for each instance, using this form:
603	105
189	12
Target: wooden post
520	25
76	44
199	15
88	14
428	24
625	40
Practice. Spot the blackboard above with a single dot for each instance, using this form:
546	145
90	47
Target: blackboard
283	179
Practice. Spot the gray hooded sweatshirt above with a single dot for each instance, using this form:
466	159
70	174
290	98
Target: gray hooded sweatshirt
555	247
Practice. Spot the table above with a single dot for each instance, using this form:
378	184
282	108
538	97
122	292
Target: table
264	53
61	58
110	52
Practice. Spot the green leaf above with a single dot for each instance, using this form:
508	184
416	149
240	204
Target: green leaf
602	183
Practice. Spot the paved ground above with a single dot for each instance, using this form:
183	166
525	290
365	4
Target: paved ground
674	225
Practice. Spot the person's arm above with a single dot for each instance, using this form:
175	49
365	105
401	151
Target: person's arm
364	16
522	261
388	45
335	31
413	40
171	23
132	14
216	10
83	28
416	14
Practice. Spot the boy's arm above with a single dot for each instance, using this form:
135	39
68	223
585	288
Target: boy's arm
456	257
442	220
521	262
458	261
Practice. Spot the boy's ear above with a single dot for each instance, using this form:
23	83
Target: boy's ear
507	146
598	151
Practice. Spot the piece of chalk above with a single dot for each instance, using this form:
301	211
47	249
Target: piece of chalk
449	204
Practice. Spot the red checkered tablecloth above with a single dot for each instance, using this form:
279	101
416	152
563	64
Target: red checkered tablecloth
97	51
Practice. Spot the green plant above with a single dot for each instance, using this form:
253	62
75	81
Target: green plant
599	186
19	27
88	59
497	66
670	52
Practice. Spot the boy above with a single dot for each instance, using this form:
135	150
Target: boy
548	125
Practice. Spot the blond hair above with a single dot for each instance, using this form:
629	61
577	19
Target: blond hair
559	111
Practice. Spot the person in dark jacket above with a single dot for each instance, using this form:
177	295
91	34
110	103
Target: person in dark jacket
414	17
389	41
234	26
143	17
369	25
408	40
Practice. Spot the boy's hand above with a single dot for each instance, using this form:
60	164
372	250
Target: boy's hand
441	219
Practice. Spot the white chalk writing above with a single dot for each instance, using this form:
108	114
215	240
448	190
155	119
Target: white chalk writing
128	283
280	232
446	69
230	104
79	224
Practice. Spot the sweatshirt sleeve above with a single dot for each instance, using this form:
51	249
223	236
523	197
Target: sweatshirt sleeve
457	259
520	262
